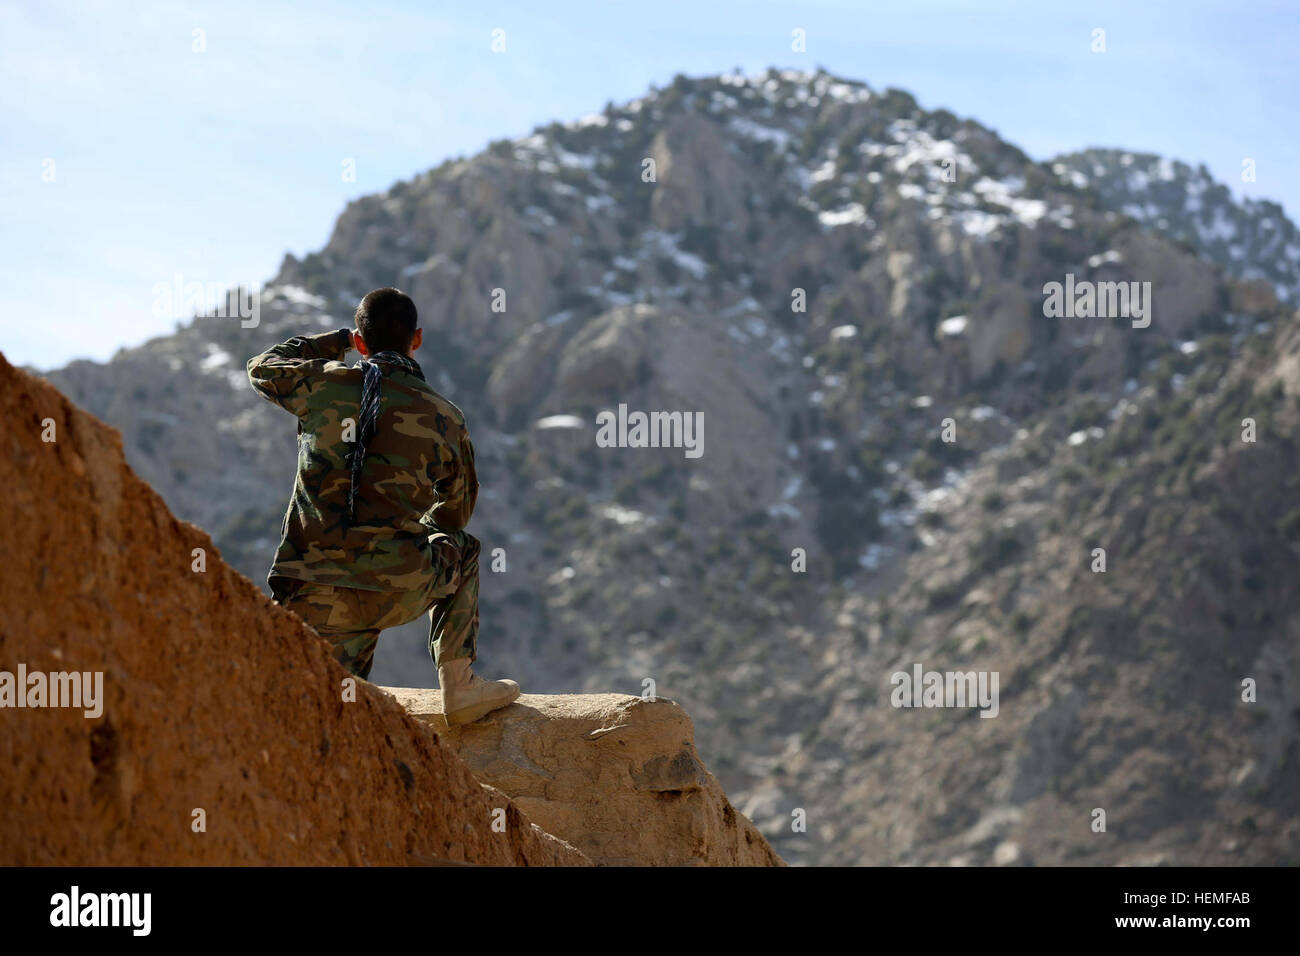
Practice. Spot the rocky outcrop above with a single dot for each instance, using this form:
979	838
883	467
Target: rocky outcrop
616	776
224	732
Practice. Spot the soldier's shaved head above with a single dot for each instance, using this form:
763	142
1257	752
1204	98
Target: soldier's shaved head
387	320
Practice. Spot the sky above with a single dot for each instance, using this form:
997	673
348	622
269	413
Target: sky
135	150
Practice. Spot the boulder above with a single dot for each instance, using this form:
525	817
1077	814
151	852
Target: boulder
616	776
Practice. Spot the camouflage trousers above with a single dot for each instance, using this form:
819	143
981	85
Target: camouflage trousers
350	619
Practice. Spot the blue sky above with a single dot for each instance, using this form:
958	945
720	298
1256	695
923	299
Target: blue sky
211	165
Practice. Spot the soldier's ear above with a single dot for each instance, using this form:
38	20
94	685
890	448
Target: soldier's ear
359	343
416	339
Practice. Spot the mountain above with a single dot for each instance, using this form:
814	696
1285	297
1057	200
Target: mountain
1251	239
837	280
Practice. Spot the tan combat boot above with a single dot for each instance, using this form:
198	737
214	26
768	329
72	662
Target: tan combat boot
466	697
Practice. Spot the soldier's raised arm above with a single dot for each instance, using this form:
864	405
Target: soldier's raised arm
283	373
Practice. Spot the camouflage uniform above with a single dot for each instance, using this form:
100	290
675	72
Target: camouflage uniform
406	552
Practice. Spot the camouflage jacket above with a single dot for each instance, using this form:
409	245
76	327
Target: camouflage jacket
418	475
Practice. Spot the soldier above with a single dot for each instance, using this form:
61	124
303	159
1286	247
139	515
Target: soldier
374	535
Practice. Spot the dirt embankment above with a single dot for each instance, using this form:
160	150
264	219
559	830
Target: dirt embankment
225	736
